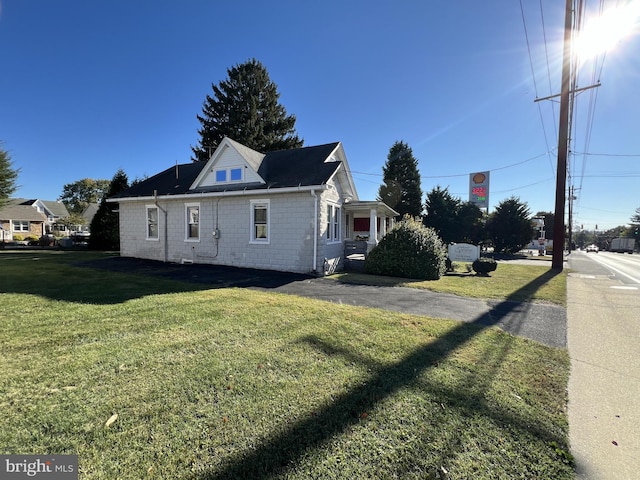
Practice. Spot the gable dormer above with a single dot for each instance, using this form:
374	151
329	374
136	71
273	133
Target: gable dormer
231	164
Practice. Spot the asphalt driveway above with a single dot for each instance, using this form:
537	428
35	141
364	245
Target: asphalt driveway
546	324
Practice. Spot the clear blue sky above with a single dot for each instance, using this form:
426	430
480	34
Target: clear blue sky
88	87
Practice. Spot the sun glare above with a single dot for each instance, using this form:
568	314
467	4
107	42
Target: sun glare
606	31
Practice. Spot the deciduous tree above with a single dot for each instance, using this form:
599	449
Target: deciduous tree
78	195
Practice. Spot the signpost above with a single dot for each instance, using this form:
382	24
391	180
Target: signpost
463	252
479	189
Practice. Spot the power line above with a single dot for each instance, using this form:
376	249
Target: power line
608	154
424	177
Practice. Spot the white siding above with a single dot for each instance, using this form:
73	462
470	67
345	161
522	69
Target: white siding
230	158
290	245
330	254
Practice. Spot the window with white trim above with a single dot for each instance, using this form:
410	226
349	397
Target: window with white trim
152	222
229	175
193	221
20	226
221	176
334	223
259	221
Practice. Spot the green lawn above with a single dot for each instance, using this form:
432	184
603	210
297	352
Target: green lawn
509	282
235	383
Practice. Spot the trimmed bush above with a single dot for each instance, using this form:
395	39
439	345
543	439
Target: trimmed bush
17	237
482	266
409	250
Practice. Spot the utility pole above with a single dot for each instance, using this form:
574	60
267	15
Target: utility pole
572	197
557	258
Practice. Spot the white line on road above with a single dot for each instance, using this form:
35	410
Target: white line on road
633	279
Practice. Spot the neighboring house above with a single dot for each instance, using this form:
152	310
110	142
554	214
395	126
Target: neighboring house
23	220
87	215
52	210
289	210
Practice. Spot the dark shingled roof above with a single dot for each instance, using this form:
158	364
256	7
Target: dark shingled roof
281	169
166	182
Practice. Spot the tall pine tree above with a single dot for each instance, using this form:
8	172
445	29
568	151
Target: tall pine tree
401	181
8	177
245	108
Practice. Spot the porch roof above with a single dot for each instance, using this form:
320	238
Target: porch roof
381	208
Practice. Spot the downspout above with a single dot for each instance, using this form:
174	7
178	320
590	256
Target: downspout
166	233
315	230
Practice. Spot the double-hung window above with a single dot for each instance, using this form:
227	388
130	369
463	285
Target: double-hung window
20	226
193	221
152	223
334	223
259	221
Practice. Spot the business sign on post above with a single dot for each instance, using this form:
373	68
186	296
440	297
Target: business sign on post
479	189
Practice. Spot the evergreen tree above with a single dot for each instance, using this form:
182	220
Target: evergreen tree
8	177
509	227
635	219
401	181
470	224
245	108
441	211
105	226
454	220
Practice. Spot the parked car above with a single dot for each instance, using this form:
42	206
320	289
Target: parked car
592	248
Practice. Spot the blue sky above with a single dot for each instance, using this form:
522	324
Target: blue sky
88	87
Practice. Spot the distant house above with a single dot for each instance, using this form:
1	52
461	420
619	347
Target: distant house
290	210
53	211
83	229
22	220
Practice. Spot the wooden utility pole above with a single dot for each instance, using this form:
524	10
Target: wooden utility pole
557	259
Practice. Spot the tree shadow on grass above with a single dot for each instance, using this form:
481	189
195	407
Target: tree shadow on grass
279	453
106	279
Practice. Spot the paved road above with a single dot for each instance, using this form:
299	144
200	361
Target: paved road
624	267
604	386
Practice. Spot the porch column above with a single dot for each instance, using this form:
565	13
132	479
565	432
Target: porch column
373	227
383	226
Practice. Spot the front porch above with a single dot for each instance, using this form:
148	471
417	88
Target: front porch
366	224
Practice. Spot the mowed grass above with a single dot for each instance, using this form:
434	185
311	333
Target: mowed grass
243	384
508	282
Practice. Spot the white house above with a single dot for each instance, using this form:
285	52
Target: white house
290	210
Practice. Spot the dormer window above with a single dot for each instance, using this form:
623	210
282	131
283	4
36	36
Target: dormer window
227	175
236	174
221	176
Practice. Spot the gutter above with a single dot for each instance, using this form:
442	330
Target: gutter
166	232
225	193
315	230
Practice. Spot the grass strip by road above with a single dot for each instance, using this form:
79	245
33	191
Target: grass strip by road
236	383
509	282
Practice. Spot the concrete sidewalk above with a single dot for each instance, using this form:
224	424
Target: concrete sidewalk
603	339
